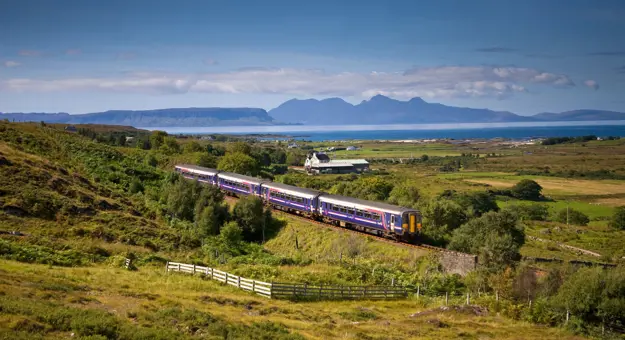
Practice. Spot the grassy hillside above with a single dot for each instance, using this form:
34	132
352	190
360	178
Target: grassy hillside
82	206
41	302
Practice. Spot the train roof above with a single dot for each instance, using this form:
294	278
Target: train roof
293	190
242	178
196	168
363	204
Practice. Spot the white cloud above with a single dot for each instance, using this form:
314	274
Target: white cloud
11	63
29	53
210	62
430	82
592	84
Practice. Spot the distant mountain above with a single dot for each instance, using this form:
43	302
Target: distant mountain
384	110
581	115
332	111
155	118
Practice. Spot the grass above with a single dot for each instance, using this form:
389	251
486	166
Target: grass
37	301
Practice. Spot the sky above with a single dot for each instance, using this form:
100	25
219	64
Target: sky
523	56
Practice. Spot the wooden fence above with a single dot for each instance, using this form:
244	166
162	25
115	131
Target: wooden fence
258	287
293	290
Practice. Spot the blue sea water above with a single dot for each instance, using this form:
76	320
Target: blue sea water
422	131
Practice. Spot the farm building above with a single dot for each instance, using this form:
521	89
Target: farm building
321	163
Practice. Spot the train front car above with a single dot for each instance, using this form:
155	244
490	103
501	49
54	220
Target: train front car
373	217
291	198
239	185
201	174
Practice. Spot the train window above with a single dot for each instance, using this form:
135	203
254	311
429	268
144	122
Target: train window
350	211
300	200
376	217
393	219
343	210
367	215
359	213
335	208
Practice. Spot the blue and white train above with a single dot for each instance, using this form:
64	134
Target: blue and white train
374	217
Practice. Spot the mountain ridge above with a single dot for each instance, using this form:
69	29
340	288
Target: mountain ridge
378	109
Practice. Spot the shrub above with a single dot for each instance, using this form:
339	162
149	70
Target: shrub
572	216
618	218
533	212
527	190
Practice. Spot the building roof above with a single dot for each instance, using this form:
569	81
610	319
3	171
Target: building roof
363	204
332	165
322	156
293	190
352	161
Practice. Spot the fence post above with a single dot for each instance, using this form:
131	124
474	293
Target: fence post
193	269
167	267
206	272
468	298
568	313
364	292
530	305
392	281
238	281
226	278
212	274
446	298
253	285
305	288
178	266
271	290
320	289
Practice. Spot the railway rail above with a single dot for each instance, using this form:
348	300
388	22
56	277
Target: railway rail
362	233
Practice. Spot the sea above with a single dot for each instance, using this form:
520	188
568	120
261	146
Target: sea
460	131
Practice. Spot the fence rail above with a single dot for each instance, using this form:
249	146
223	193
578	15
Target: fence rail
293	290
258	287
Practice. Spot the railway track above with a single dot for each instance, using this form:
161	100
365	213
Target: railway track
362	233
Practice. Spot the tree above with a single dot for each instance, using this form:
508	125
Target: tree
369	188
206	160
495	237
405	194
618	218
170	146
295	158
441	217
230	238
532	212
477	203
192	146
278	156
527	189
157	138
151	160
241	147
121	140
181	196
425	158
210	219
250	215
239	163
572	216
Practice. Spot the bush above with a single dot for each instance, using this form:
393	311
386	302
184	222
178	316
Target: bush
618	218
532	212
527	190
572	216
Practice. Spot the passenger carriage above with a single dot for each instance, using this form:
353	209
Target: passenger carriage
376	217
239	184
291	198
204	175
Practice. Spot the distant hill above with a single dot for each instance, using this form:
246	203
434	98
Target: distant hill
154	118
332	111
581	115
384	110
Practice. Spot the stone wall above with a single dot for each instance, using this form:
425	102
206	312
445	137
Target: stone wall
457	263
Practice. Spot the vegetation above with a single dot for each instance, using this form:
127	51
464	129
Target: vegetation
85	201
618	219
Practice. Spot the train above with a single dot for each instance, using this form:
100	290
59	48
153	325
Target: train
382	219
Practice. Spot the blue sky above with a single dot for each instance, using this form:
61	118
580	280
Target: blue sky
521	56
